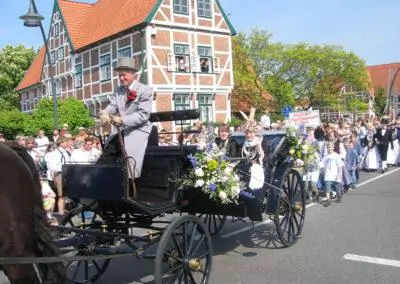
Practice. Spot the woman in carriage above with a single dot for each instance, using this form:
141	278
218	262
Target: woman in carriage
225	142
252	149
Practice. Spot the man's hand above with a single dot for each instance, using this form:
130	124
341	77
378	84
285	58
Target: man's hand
105	118
116	120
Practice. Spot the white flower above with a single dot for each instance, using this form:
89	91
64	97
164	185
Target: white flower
228	170
199	183
224	178
199	172
236	190
299	162
222	195
305	147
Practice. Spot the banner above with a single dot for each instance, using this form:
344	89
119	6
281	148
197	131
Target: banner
308	118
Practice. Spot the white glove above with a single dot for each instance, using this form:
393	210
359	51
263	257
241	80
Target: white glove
105	118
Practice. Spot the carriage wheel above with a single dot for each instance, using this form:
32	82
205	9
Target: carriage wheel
289	218
184	253
213	222
84	271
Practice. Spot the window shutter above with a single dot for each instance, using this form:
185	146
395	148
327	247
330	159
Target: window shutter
217	68
171	62
195	63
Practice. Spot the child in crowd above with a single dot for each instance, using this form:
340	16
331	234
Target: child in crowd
351	161
332	166
49	200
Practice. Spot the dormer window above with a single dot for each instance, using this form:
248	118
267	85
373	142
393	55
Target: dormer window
181	7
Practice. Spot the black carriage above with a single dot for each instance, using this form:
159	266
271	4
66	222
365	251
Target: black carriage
100	228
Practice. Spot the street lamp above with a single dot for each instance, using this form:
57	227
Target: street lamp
34	19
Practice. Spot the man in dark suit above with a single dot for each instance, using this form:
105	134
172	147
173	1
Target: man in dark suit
383	138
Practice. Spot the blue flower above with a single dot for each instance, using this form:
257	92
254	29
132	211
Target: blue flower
213	187
193	160
247	194
209	147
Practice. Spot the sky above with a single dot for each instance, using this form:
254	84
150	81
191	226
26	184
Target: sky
369	28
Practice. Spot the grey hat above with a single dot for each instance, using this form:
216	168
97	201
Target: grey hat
126	63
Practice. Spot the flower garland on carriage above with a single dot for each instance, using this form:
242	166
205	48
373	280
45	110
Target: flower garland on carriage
302	153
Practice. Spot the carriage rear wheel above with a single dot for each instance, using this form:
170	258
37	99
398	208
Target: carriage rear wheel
84	271
291	208
213	222
184	253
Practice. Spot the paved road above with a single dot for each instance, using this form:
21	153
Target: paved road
366	224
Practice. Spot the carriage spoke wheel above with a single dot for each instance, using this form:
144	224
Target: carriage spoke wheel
289	218
213	222
184	253
84	271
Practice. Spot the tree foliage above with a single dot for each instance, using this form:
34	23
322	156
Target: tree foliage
299	74
380	101
14	61
70	111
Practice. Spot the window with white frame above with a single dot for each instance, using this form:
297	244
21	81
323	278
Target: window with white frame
105	67
182	102
204	8
125	52
61	53
58	87
181	58
78	75
181	7
56	28
23	106
206	107
52	57
206	60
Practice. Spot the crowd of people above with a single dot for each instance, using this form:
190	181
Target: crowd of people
344	149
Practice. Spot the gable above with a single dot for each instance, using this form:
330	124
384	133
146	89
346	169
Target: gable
223	23
33	75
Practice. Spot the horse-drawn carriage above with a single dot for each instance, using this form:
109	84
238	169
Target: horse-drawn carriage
111	206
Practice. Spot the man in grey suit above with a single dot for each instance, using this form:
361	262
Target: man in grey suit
130	107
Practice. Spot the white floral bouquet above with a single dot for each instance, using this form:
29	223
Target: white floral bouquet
302	153
213	175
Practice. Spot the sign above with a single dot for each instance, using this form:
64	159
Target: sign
286	110
308	118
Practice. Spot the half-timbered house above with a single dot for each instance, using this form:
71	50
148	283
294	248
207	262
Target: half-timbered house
182	49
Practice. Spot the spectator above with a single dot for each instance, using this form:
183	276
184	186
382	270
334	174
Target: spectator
55	136
41	141
2	139
351	161
332	166
266	120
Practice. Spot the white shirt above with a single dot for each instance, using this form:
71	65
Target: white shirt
47	158
79	156
333	164
94	155
58	158
42	143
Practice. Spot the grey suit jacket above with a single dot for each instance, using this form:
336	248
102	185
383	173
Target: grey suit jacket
135	115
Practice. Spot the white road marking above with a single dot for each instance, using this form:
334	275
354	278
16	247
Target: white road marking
377	177
247	228
373	260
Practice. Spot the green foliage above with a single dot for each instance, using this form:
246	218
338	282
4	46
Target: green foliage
12	123
14	61
70	111
235	121
298	75
380	101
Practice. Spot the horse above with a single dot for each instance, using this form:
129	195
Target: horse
24	228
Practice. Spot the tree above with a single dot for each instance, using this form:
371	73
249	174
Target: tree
70	111
380	101
12	123
14	61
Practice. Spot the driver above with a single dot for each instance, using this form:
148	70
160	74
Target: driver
129	107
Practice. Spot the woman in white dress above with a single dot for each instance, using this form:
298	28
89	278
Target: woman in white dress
393	153
370	160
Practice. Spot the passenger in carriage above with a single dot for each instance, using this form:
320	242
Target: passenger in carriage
225	143
253	150
130	108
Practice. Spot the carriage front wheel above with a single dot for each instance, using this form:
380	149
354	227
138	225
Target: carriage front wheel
291	208
184	253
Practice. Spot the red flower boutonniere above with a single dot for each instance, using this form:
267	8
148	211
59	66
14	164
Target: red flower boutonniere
132	94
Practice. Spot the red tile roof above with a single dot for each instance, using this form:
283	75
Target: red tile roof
33	75
382	76
75	15
90	23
